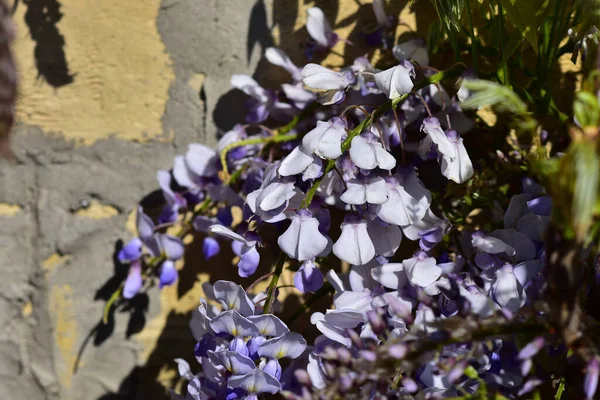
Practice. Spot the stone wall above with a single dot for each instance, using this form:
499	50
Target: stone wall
111	91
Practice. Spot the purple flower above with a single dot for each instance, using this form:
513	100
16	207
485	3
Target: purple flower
414	49
531	349
319	29
354	244
396	81
210	247
386	237
325	140
431	126
277	57
132	251
255	382
243	247
590	384
171	246
368	153
308	278
422	270
334	84
459	168
290	345
168	274
301	161
133	283
408	200
233	297
233	323
541	206
303	240
430	238
271	200
365	190
262	103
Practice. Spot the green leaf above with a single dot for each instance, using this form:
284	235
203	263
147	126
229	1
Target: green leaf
515	40
560	390
471	372
450	12
586	109
489	93
527	16
587	170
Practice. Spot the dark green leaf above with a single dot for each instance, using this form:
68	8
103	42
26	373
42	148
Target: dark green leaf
586	109
527	16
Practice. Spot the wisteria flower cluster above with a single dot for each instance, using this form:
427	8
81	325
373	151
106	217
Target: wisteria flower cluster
373	195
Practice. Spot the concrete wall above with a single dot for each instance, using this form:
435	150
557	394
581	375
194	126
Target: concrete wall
111	91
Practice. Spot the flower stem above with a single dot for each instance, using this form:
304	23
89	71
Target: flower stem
273	284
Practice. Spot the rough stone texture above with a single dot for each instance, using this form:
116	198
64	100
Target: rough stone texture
114	91
55	254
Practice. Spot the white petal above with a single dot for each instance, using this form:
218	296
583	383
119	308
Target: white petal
533	226
320	78
458	169
295	162
184	369
249	86
522	245
357	301
517	208
317	26
506	291
356	192
385	237
228	233
354	244
391	276
407	203
362	153
421	273
492	245
359	277
277	57
302	240
182	174
332	333
395	81
334	279
401	81
274	195
377	192
345	319
432	127
429	221
526	270
316	374
384	159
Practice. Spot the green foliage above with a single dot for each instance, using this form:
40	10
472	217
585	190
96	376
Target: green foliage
501	98
586	109
527	16
587	173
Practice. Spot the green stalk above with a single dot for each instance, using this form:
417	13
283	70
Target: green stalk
273	284
474	51
505	77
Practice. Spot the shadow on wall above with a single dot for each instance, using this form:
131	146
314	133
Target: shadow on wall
42	17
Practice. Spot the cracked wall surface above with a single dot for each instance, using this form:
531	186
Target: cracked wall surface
111	92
